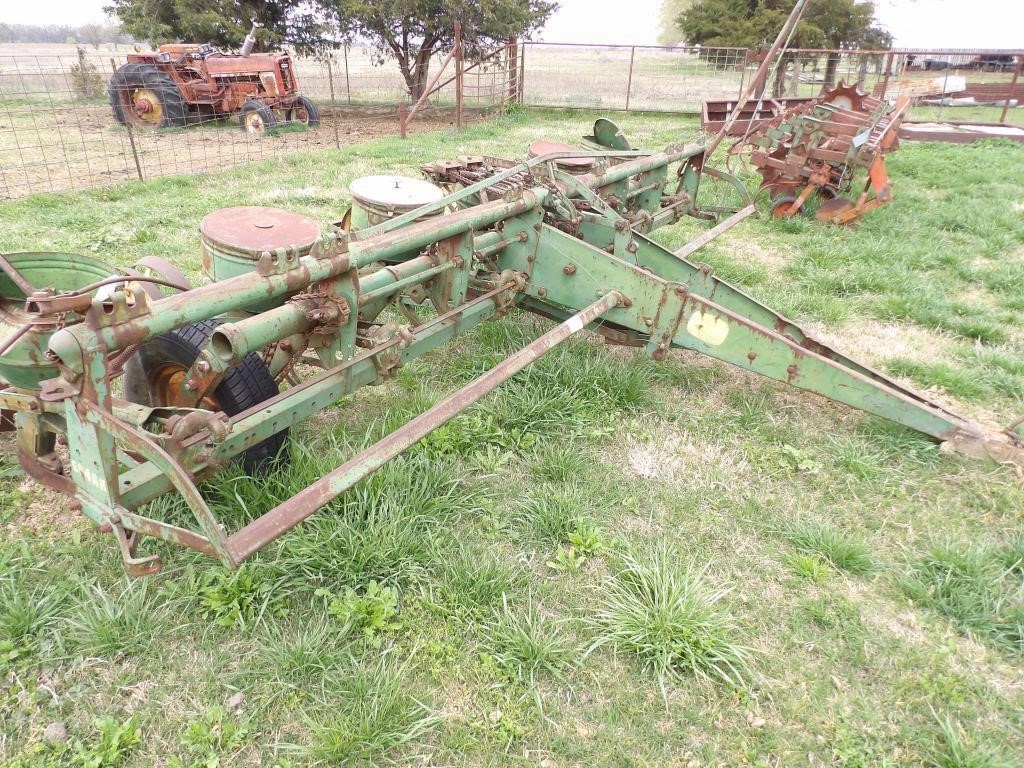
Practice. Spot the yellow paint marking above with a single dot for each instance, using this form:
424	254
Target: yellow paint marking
708	328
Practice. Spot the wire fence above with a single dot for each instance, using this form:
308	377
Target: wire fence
953	85
58	129
61	127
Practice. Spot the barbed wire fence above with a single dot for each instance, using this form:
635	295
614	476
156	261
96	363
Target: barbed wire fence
58	131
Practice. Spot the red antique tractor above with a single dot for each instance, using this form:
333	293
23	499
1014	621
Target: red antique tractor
182	84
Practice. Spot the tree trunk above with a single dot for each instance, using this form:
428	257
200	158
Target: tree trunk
831	65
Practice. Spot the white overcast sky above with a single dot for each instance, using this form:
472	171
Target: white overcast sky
914	23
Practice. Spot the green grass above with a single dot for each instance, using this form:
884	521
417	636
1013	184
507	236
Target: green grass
669	617
691	526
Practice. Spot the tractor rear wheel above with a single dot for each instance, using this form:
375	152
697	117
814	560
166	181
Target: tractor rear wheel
155	374
256	117
143	95
305	112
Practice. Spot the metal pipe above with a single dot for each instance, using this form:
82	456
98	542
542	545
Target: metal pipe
390	288
715	231
290	513
250	288
231	342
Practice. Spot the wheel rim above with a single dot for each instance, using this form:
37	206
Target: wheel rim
300	114
254	122
166	386
142	106
780	208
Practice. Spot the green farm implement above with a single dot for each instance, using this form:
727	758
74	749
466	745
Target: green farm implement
127	385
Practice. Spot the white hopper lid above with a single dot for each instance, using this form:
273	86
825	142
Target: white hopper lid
394	192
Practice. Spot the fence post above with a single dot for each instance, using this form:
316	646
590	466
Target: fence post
629	81
131	134
330	80
348	86
512	54
522	75
458	75
888	72
1009	93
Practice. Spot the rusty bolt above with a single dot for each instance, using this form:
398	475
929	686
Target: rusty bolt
203	366
537	226
632	246
791	370
522	236
569	269
33	406
286	346
190	385
751	356
658	354
542	292
682	290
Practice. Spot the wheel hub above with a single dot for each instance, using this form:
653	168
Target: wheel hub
167	388
145	107
254	123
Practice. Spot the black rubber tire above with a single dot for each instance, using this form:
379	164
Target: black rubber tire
243	386
266	114
137	74
312	110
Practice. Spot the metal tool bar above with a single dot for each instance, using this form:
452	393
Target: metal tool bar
290	513
705	238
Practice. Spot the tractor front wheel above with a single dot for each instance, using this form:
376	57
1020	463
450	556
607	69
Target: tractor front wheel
305	112
145	96
155	374
256	117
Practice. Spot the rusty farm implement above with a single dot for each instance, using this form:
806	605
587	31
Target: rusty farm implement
818	147
154	385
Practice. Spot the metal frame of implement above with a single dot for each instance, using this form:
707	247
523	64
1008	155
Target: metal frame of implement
570	247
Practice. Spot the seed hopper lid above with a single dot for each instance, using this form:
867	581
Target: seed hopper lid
254	229
543	147
394	192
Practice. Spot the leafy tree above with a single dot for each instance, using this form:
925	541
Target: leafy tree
224	23
831	24
412	30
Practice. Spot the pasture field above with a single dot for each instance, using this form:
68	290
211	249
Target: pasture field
608	561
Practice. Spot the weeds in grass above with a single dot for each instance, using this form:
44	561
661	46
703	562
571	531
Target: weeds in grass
299	654
972	586
473	584
116	743
526	646
554	513
559	463
243	598
129	623
840	549
807	565
27	615
366	717
671	619
372	613
953	749
213	735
